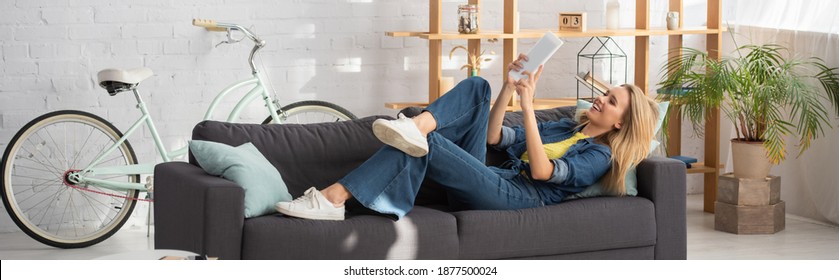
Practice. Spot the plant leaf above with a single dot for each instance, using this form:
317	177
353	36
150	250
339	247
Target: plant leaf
455	48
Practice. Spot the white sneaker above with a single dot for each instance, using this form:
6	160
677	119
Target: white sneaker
312	205
402	134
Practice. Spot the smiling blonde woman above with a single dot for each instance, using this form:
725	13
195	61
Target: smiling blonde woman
447	143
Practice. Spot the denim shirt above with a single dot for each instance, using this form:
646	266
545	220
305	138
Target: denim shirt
581	166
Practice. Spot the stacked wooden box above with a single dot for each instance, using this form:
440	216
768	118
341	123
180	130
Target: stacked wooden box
749	206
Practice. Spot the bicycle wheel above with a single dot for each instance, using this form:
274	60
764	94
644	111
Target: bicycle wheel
312	111
41	199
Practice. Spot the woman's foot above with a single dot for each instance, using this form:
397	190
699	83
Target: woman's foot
402	134
312	205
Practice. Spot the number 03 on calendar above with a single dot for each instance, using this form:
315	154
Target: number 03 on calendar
572	22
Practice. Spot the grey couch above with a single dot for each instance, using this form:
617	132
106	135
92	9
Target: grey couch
198	212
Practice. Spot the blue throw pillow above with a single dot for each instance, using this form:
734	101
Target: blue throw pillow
631	180
246	166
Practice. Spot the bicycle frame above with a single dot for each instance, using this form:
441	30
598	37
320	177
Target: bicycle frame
256	91
85	175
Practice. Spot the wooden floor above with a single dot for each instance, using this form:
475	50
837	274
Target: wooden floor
802	239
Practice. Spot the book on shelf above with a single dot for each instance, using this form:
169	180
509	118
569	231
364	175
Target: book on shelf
599	84
582	80
687	160
590	81
680	91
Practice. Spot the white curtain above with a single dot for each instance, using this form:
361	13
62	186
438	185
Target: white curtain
809	28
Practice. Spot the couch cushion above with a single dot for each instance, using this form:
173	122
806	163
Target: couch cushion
305	155
423	234
246	166
590	224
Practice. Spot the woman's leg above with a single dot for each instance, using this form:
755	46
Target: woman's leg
389	181
461	115
473	185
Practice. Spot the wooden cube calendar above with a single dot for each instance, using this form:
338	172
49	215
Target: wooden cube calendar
572	22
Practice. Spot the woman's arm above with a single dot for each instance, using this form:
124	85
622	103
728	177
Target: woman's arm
541	168
582	169
496	115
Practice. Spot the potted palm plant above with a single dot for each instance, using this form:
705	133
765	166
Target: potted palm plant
763	92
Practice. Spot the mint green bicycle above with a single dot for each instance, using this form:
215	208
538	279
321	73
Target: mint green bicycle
70	179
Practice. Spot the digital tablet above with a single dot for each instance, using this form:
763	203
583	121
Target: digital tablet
539	54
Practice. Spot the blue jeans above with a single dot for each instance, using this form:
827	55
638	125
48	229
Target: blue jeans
389	181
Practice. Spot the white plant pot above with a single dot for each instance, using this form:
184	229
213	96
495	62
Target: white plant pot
750	160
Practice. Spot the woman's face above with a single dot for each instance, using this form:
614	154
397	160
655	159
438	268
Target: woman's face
608	109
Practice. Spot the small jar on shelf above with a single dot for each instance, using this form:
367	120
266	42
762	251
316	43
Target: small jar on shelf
467	19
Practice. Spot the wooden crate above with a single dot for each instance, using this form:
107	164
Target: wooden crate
740	219
749	192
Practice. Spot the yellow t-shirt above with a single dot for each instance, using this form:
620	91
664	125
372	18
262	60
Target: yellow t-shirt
557	149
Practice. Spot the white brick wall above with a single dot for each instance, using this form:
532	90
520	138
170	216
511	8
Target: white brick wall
333	50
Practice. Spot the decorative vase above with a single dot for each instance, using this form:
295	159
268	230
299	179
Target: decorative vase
750	161
672	20
613	14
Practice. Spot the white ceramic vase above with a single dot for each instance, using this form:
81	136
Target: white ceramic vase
672	20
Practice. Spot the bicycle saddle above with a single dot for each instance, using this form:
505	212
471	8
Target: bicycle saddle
118	80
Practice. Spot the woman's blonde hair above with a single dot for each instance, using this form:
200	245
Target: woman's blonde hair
631	143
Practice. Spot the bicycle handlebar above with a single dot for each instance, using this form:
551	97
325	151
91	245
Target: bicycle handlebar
209	24
212	25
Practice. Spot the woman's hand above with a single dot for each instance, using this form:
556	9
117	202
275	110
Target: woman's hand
526	88
516	65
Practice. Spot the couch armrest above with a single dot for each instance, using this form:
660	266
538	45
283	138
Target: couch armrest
197	212
662	181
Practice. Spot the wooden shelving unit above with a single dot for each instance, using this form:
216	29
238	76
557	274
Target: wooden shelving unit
642	32
701	168
535	33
